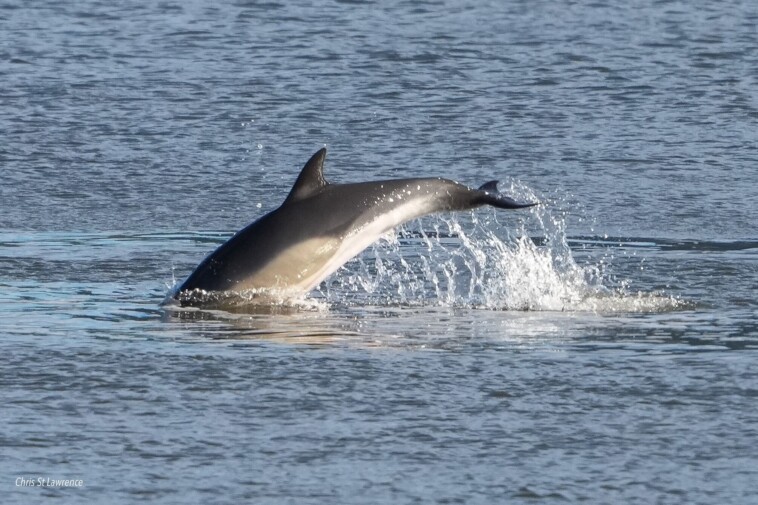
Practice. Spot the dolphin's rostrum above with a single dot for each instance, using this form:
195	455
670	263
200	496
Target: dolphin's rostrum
320	226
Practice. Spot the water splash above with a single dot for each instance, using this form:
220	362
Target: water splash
474	260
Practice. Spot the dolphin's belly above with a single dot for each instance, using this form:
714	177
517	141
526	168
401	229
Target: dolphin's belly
336	251
296	268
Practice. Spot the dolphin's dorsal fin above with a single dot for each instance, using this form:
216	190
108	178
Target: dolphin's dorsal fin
311	179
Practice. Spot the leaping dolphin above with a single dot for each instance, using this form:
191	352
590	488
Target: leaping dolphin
320	226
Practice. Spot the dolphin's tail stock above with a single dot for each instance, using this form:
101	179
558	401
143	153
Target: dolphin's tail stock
488	194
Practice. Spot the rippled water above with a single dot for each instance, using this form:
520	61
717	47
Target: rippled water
599	348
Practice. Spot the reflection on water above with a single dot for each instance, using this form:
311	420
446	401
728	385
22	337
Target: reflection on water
434	327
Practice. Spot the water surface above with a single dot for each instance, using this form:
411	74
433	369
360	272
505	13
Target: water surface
597	349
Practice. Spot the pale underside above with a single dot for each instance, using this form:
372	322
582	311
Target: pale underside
301	267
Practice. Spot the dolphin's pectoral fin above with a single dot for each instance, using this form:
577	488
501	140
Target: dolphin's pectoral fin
489	195
311	179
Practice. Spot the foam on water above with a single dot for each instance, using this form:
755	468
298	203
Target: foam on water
248	301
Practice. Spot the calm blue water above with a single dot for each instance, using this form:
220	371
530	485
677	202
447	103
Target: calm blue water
598	349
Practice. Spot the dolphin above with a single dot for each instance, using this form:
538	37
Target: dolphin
320	226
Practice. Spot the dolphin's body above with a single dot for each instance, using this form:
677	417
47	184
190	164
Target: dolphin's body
320	226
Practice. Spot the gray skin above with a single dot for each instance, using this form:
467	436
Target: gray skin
320	226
